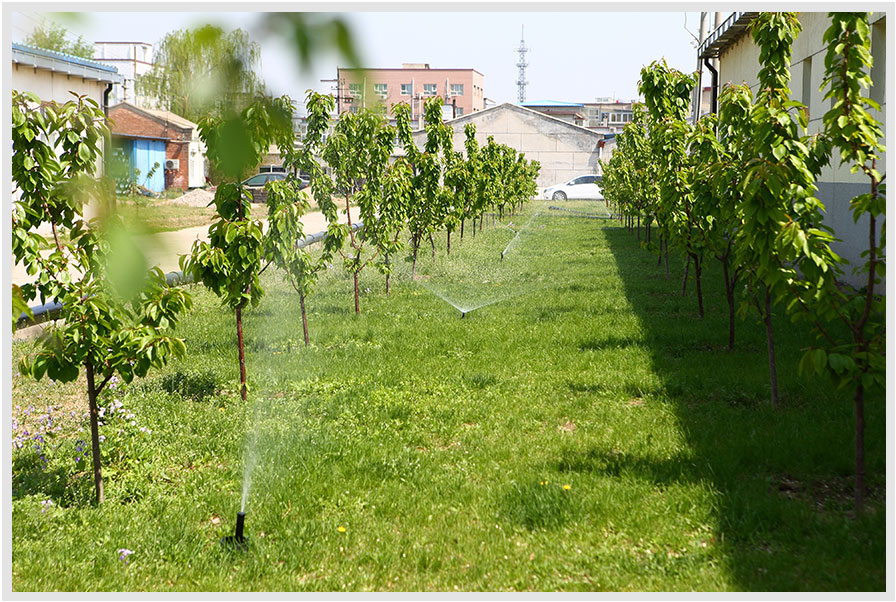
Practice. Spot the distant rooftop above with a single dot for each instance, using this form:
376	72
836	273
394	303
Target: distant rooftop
550	103
166	116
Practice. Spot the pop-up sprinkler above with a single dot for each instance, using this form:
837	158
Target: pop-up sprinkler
237	541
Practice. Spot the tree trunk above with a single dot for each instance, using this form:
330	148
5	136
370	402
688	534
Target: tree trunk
859	403
684	283
416	244
639	227
357	302
94	432
433	243
666	255
388	265
698	269
461	229
770	339
729	296
304	318
449	242
242	351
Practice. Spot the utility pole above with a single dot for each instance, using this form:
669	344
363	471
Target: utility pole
522	64
698	90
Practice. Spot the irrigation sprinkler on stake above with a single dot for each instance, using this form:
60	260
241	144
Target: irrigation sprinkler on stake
237	541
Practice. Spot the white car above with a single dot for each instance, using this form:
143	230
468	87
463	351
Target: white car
580	187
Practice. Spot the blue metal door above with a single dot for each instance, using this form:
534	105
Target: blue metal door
145	154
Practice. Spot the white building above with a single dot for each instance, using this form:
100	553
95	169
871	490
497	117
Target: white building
55	76
132	60
738	59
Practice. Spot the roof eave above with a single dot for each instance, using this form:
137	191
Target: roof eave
726	34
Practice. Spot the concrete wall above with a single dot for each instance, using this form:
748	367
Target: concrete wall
836	186
564	150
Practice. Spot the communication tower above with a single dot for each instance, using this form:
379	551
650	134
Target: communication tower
522	64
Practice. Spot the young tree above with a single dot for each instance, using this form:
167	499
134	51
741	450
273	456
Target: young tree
423	204
358	152
474	182
116	317
718	203
203	72
230	262
855	361
52	36
287	203
781	220
667	94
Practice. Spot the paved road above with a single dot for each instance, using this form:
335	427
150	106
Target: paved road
165	248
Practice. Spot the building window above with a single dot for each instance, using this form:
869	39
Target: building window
878	73
620	117
457	89
405	89
354	90
806	92
380	89
429	89
460	111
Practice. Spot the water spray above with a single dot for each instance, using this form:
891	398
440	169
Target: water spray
237	541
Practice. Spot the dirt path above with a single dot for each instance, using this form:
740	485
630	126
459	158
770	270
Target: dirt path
165	248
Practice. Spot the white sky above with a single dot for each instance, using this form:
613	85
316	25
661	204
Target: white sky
573	57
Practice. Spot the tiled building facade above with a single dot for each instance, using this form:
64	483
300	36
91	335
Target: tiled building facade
414	83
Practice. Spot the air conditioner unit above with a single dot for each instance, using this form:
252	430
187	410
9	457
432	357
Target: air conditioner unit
172	163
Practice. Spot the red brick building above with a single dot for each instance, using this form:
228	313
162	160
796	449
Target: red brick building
413	84
149	136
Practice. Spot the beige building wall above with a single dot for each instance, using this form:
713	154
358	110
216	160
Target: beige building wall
50	85
739	64
564	150
60	87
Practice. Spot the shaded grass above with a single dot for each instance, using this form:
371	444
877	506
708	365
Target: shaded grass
442	446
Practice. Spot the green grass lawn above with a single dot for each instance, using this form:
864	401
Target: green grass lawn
148	216
582	430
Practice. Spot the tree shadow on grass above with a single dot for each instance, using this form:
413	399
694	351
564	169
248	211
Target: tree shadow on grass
31	477
780	476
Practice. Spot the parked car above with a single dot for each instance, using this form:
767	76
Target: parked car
256	184
260	179
580	187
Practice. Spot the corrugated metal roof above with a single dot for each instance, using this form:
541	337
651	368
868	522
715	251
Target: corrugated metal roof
725	35
64	63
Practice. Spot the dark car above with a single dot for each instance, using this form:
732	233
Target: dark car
260	179
256	183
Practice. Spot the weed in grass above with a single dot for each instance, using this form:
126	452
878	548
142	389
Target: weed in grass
539	505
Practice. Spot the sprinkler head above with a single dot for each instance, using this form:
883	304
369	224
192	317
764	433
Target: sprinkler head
237	541
502	255
462	314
